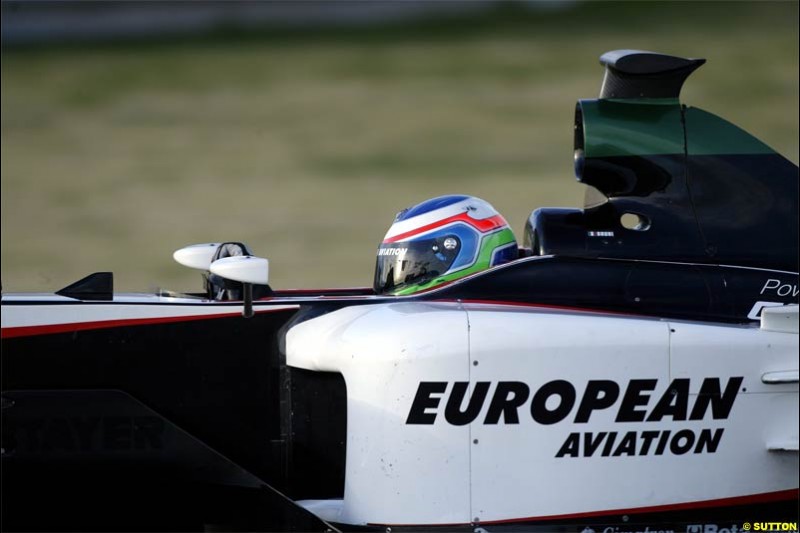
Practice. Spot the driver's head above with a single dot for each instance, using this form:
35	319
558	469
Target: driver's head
439	241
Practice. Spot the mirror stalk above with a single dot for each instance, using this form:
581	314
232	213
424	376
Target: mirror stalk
247	289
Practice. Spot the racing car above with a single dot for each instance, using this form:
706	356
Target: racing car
631	365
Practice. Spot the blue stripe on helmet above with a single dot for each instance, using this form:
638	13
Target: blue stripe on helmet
430	205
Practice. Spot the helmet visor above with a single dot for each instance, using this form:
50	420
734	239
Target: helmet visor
405	264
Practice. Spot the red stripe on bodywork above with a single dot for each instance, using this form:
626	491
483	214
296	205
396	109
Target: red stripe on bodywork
49	329
484	225
782	495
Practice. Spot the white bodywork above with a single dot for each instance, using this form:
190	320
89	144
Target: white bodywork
441	473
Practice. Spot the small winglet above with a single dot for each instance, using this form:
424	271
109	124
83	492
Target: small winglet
783	446
781	377
97	286
781	318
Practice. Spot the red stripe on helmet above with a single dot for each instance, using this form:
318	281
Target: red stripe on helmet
483	225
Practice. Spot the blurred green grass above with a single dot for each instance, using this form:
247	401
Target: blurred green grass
304	144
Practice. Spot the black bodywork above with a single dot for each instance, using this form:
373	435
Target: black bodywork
200	425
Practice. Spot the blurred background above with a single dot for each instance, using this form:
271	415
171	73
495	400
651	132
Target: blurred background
131	129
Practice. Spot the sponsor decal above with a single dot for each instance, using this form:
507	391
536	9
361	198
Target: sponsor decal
713	528
777	288
558	401
627	529
614	444
85	434
392	251
755	311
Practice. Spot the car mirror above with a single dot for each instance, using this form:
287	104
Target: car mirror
197	256
243	268
248	270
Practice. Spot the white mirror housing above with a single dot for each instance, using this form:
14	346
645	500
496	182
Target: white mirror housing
197	255
243	268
